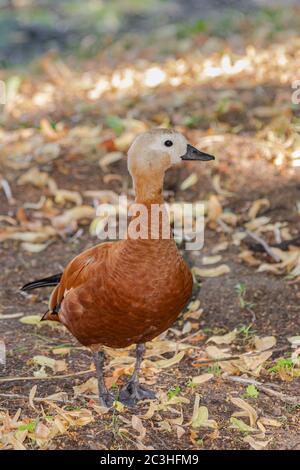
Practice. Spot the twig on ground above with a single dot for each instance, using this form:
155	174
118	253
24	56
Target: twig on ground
295	400
201	363
253	316
7	191
25	397
264	244
284	245
53	377
187	338
236	358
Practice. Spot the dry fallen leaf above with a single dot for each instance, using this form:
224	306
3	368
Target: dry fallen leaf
137	425
110	158
256	444
262	344
72	216
257	223
270	422
64	195
211	272
200	416
216	353
32	394
180	431
295	357
194	305
2	353
59	396
248	257
214	209
248	410
55	365
200	379
37	178
257	206
31	237
253	364
220	247
90	386
8	316
294	340
191	180
211	259
164	363
34	247
224	339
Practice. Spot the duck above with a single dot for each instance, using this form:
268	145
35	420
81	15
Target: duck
127	292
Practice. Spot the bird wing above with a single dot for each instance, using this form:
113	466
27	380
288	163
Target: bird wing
77	272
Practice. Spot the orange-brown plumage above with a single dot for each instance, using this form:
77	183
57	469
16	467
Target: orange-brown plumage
117	294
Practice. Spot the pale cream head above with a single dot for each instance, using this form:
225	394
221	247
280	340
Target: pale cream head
151	154
156	150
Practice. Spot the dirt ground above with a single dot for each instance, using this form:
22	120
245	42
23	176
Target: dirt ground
248	122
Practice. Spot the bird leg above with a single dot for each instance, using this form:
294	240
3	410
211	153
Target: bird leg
106	398
133	390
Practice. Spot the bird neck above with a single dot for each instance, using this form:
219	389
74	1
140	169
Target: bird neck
149	188
151	219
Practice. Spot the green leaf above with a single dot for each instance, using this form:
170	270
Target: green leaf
31	320
173	392
28	427
252	391
240	425
116	124
200	417
12	86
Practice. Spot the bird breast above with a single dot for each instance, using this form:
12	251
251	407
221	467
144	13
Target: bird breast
152	276
140	291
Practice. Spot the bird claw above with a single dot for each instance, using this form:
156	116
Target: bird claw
132	392
106	400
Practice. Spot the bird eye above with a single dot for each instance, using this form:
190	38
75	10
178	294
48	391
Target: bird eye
168	143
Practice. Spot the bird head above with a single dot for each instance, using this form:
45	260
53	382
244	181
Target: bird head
157	150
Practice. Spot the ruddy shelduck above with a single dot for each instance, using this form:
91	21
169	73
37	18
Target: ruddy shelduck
128	292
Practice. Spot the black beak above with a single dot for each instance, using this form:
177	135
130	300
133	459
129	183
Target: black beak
194	154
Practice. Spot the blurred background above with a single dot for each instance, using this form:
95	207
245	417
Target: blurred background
80	79
29	27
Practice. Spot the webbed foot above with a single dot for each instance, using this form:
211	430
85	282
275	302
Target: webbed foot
132	392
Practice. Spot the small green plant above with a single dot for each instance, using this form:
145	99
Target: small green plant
192	121
223	106
190	383
282	364
72	408
116	124
199	26
246	331
174	392
28	427
214	369
251	391
207	330
241	291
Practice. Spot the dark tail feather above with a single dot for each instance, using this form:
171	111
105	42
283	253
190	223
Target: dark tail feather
46	282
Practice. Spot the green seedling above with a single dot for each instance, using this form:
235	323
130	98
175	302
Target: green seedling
174	392
241	291
251	391
247	332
